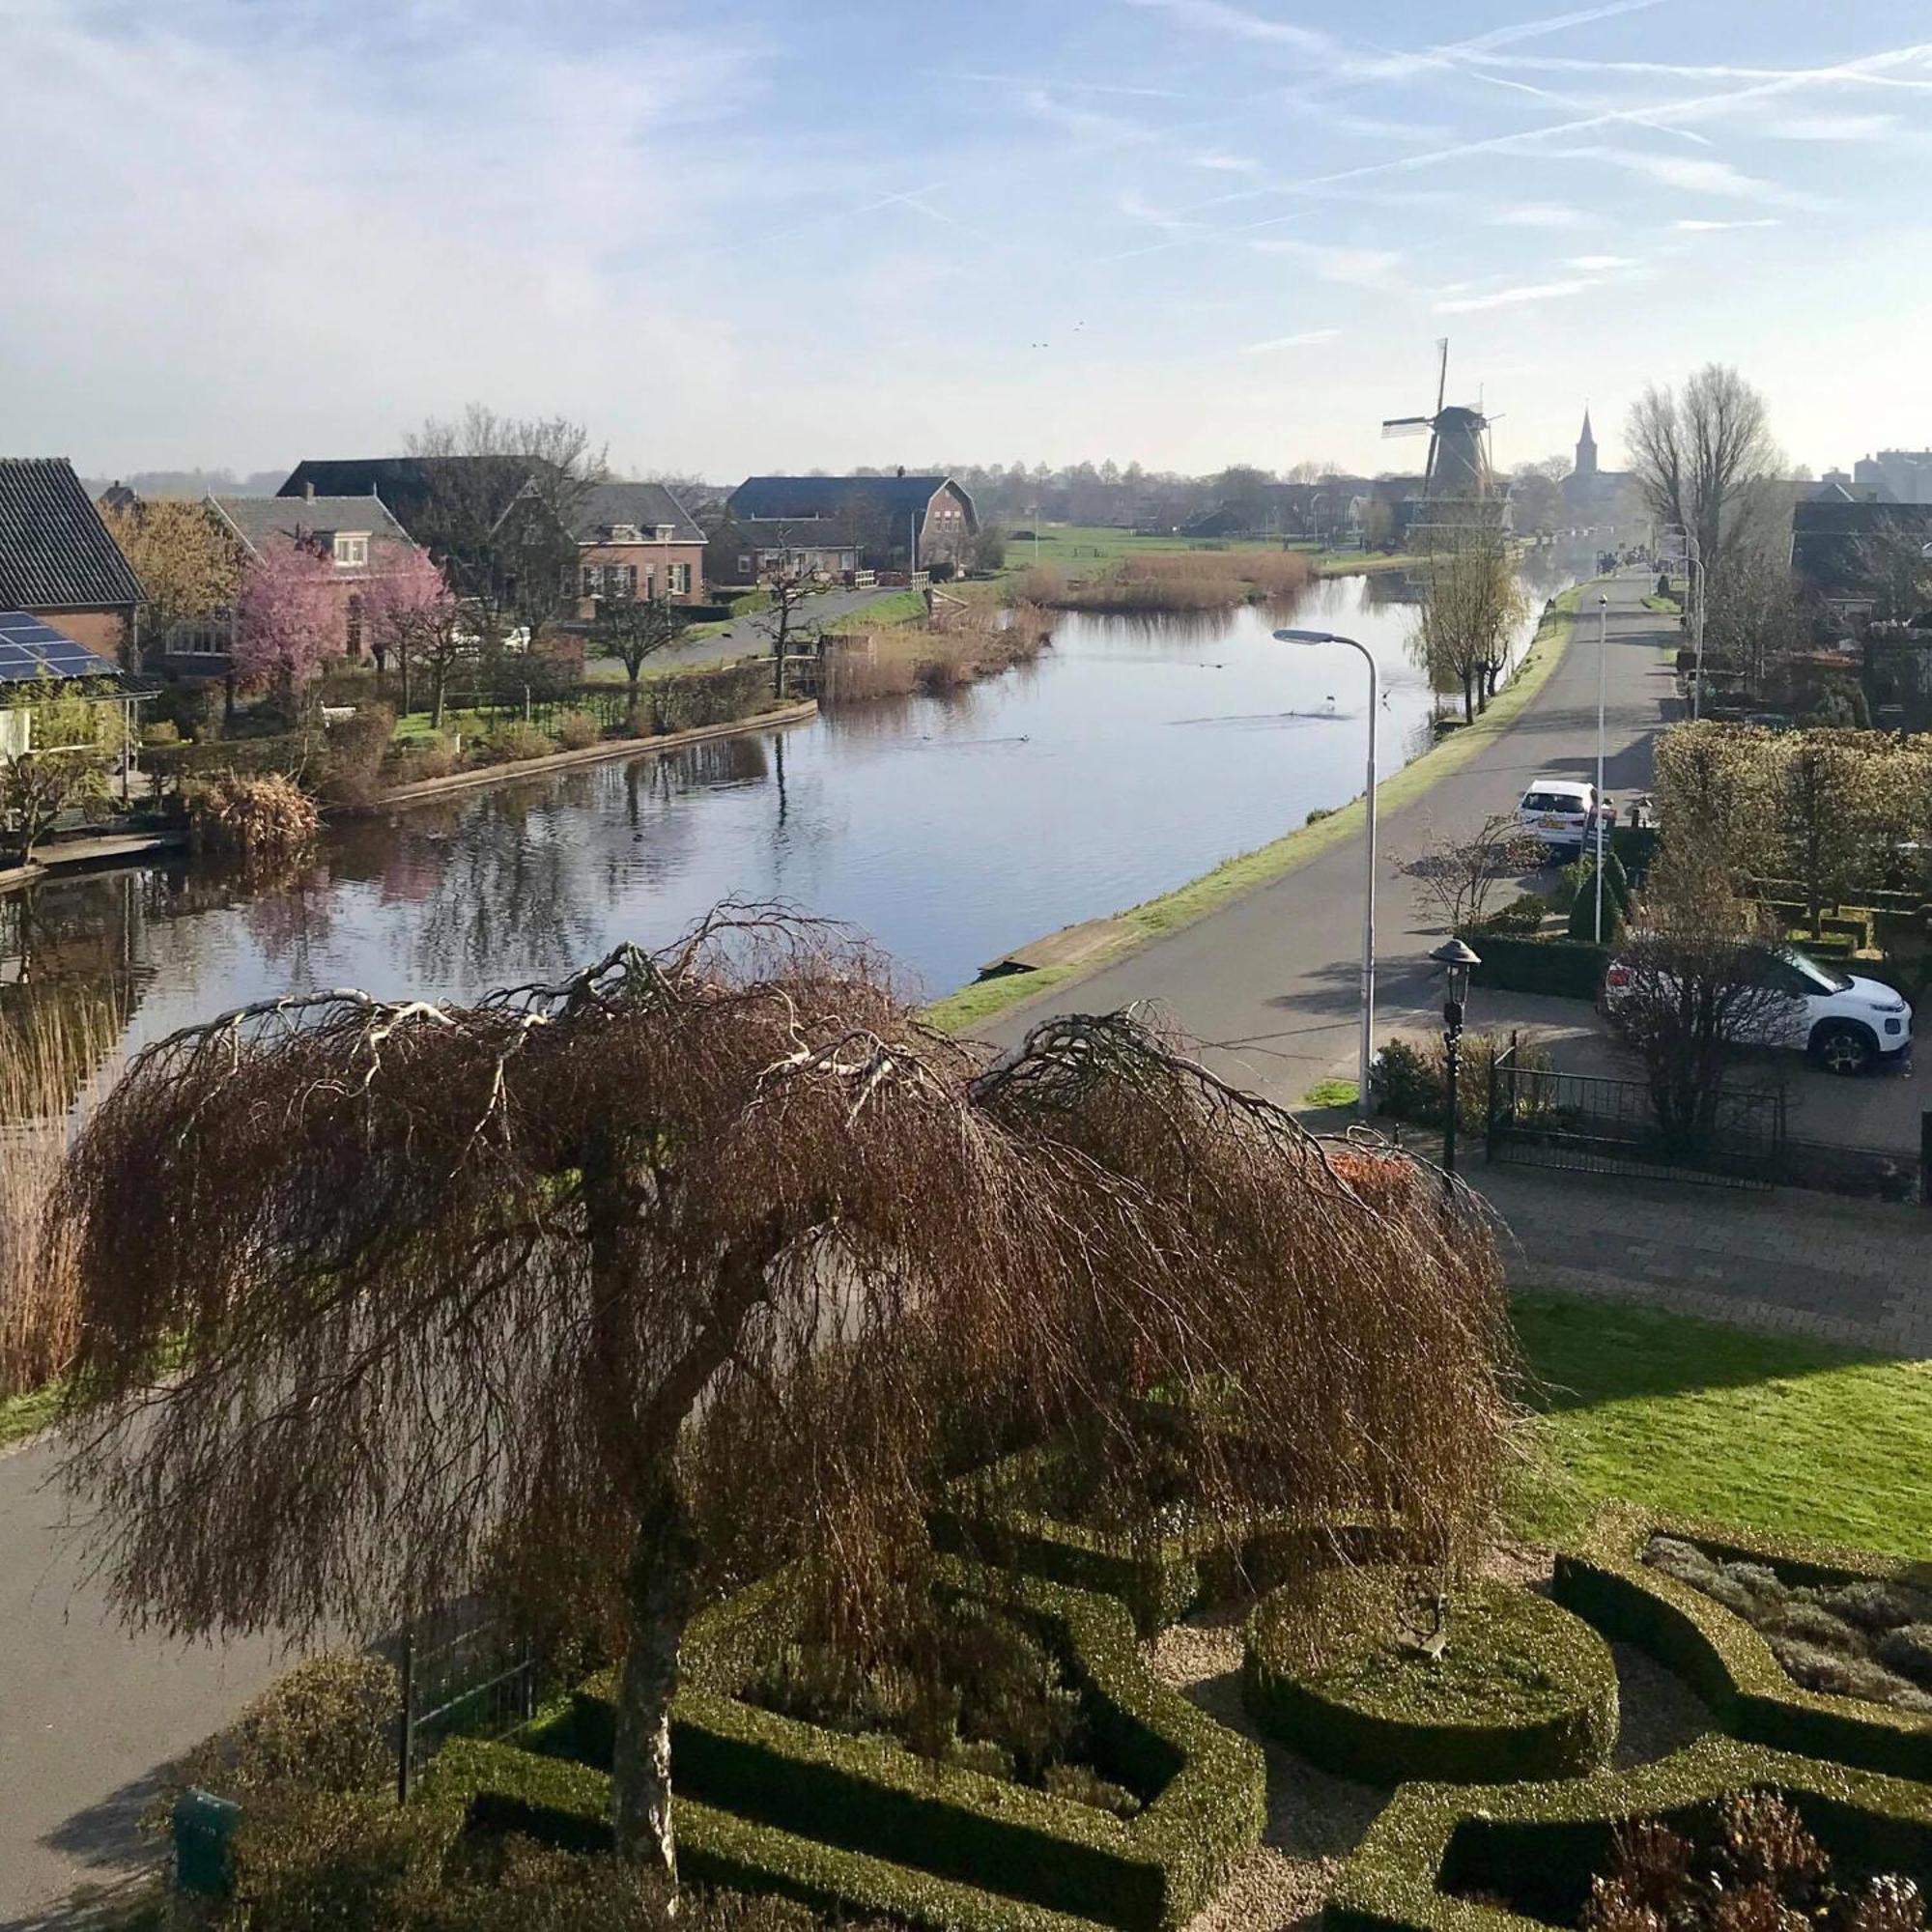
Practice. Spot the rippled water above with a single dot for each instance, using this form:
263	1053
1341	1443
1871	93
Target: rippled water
1133	755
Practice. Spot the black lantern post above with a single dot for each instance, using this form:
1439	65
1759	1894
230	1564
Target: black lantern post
1456	960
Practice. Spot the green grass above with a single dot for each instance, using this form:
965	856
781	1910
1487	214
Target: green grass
1332	1093
1078	547
903	606
1669	606
22	1414
976	1004
1782	1435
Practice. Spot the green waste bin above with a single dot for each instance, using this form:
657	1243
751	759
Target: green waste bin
204	1827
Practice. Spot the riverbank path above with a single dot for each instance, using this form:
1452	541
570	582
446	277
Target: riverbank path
744	638
1269	982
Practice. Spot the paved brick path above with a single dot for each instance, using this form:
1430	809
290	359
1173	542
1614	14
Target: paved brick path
1855	1272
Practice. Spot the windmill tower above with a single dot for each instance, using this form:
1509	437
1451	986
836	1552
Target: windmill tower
1457	481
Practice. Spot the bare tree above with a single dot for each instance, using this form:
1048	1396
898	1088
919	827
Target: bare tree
1456	877
788	591
1472	605
1703	459
1754	620
1696	987
1893	564
711	1259
635	628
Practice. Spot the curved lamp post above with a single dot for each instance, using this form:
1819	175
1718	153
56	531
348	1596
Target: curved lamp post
1456	958
1365	1048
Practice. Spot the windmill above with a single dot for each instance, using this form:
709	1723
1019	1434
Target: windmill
1459	451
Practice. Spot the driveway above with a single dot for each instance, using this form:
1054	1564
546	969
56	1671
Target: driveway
743	637
1269	982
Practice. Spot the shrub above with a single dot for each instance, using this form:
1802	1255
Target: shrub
354	754
576	731
433	756
1411	1078
1525	914
263	816
1583	909
1567	968
1351	1678
512	742
162	731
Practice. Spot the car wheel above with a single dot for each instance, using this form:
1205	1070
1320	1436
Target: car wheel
1841	1047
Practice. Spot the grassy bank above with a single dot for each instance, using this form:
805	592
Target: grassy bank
1171	584
903	658
972	1005
1688	1417
903	606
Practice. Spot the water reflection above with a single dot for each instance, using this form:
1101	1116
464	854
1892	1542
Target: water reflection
1131	755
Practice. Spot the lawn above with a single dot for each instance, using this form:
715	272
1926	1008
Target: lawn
1690	1417
1084	547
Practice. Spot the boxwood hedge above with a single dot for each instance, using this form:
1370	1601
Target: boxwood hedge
1729	1664
1202	1786
1523	1689
991	1516
1537	1845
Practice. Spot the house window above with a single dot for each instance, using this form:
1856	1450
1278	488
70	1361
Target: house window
680	579
594	580
743	564
620	580
353	614
624	534
199	638
352	548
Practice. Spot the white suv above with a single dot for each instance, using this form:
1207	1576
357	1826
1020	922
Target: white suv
1845	1023
1559	812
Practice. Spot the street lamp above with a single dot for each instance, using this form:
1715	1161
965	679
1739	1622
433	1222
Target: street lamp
1365	1048
1456	958
1602	639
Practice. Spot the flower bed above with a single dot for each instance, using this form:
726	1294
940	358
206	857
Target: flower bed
941	1828
1446	1858
1730	1665
1521	1689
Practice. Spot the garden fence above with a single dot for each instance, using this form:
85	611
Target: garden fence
466	1669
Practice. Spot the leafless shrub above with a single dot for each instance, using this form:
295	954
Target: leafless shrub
261	815
1457	876
703	1260
905	658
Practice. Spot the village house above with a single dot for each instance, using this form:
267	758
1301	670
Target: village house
357	534
896	523
637	540
742	551
59	562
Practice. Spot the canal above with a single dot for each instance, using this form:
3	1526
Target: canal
1134	754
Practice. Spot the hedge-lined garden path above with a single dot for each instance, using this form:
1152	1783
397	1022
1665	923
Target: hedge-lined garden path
1270	980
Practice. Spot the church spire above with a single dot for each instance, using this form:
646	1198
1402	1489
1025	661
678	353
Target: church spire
1586	448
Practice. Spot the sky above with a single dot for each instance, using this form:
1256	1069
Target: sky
752	235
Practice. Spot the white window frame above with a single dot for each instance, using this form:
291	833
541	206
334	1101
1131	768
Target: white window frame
352	550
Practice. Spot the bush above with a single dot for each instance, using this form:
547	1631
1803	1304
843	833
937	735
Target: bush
1411	1078
1525	914
1521	1689
1493	1857
1566	968
354	754
1583	908
576	731
162	731
511	743
432	756
263	816
1728	1663
689	700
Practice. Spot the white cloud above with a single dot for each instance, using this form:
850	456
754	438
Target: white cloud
1833	127
1527	291
1217	17
1360	267
1694	175
1603	265
1218	162
1691	225
1306	339
1537	214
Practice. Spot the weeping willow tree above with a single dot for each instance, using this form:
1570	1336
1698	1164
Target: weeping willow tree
618	1288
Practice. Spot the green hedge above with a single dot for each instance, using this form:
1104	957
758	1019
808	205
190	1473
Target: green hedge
1424	1720
989	1519
1537	1845
1726	1661
171	764
560	1802
1202	1785
1571	969
686	700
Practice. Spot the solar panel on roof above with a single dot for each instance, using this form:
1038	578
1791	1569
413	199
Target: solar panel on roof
30	648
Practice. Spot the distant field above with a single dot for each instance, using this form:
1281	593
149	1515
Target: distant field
1071	546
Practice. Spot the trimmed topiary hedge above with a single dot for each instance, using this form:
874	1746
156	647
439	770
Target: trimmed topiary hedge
991	1519
561	1803
1570	969
1720	1656
1202	1785
1539	1845
1523	1688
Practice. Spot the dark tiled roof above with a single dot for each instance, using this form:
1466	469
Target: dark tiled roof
405	483
898	497
1829	539
804	533
647	505
54	549
265	520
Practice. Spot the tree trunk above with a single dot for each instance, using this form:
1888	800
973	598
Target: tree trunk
661	1591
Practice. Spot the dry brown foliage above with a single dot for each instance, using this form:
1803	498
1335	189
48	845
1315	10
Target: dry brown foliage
263	815
1194	579
704	1260
904	658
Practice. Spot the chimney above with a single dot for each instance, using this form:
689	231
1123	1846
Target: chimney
308	490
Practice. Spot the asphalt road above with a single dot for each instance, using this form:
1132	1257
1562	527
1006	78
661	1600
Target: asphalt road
1270	984
743	637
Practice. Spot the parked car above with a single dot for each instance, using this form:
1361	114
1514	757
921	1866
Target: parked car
1559	812
1846	1023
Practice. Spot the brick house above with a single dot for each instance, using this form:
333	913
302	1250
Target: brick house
926	521
358	534
59	562
741	549
636	540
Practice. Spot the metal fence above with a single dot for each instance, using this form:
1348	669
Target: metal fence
466	1670
1594	1123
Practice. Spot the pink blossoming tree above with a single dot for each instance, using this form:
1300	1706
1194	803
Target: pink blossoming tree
289	619
413	617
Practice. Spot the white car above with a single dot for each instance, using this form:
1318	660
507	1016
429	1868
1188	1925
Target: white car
1559	812
1847	1024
